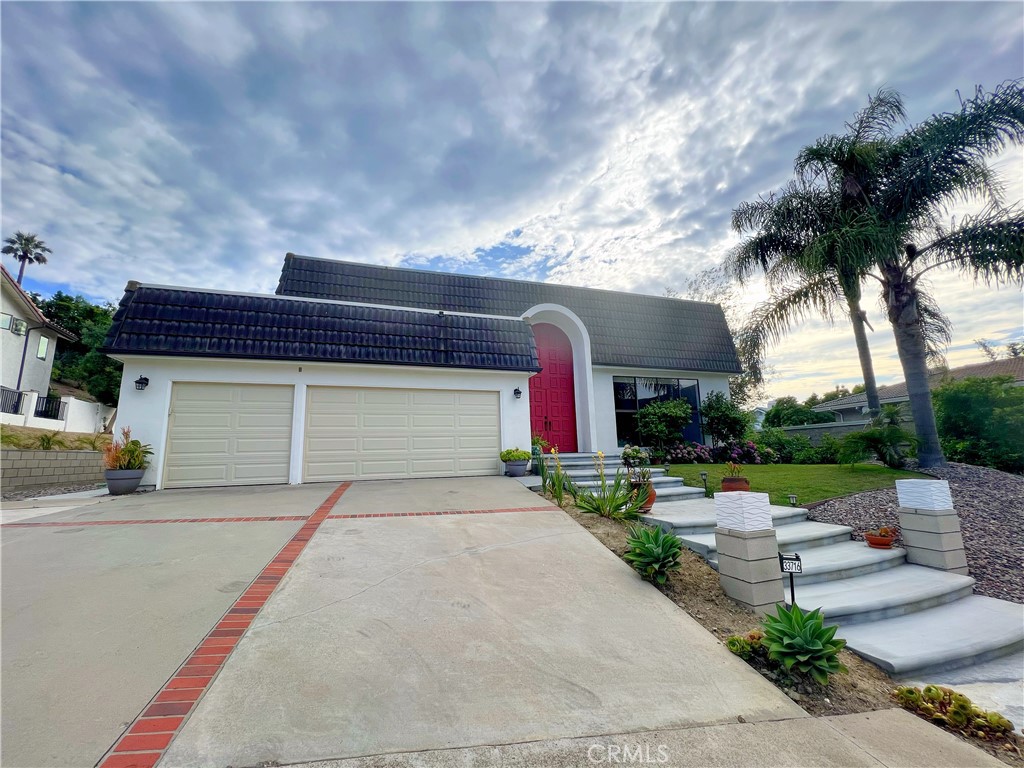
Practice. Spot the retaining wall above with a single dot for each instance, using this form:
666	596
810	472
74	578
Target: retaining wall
49	469
836	428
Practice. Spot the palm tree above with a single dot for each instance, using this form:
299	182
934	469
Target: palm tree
28	249
900	186
805	244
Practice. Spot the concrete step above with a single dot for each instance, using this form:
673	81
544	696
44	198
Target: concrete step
846	560
698	516
969	631
900	591
795	537
674	493
658	481
590	473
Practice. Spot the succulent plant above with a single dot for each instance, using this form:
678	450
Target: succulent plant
801	642
946	707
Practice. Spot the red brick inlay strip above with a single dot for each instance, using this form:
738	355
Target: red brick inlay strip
68	523
143	744
441	512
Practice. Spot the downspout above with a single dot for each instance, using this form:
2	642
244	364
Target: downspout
24	352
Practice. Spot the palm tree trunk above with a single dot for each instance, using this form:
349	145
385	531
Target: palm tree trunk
901	303
864	353
21	270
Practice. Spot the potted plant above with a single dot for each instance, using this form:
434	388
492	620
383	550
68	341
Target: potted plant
125	461
881	538
515	460
633	457
642	479
734	481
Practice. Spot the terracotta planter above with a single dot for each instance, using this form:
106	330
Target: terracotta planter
651	496
879	542
735	484
123	481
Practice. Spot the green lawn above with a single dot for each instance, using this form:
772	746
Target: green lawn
810	482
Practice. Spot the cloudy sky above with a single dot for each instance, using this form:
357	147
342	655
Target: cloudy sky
591	144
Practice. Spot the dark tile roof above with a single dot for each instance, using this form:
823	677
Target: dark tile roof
626	329
156	320
895	393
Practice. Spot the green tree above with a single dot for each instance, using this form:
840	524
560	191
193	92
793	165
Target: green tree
898	185
27	249
788	412
981	421
724	422
1010	350
661	423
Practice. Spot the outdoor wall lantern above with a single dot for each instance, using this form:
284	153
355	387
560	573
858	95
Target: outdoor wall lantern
517	392
792	499
141	383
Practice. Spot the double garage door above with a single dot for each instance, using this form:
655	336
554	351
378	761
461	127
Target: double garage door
227	434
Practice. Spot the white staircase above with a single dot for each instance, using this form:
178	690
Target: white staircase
581	468
908	619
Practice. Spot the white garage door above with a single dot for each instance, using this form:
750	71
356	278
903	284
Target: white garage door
228	434
393	433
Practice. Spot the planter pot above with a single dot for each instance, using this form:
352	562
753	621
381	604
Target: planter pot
122	481
879	542
651	496
516	468
735	484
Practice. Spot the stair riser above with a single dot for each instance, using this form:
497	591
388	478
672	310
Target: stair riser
657	482
823	541
849	573
945	665
678	493
683	530
889	612
577	474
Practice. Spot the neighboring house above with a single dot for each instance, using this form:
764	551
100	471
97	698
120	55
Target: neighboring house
355	371
758	412
28	341
854	407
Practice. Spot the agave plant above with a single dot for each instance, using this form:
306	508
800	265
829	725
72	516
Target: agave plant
653	552
801	641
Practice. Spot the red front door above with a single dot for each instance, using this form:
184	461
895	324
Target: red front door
552	391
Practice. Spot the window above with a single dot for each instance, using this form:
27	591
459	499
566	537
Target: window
5	321
633	393
44	345
19	327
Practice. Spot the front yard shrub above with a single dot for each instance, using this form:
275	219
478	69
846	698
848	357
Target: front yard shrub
886	443
944	706
742	452
724	422
689	453
785	447
981	421
634	457
802	643
653	553
556	480
661	423
617	500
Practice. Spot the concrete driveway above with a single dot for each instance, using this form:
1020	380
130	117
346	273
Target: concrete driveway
252	626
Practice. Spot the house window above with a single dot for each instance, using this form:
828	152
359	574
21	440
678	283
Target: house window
44	345
633	393
5	321
19	327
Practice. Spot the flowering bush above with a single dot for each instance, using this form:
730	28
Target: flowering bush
633	456
690	453
744	452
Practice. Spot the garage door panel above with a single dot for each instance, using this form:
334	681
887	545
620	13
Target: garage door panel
376	434
224	434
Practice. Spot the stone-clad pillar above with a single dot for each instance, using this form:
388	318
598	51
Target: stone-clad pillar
930	526
748	552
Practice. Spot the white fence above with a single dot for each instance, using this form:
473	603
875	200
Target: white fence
68	415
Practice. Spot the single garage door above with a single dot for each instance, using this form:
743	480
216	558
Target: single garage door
228	434
392	433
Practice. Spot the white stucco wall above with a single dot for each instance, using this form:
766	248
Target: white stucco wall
604	395
36	376
146	411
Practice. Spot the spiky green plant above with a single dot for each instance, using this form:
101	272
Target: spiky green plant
50	441
653	553
617	499
801	642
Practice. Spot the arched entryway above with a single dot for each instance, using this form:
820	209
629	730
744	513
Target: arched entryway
553	390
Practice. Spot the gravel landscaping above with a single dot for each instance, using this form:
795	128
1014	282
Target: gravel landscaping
31	493
990	504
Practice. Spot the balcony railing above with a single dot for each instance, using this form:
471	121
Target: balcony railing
50	408
11	400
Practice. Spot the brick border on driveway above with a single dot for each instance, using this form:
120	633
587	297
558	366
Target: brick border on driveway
143	744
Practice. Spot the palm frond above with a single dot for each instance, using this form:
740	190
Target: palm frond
989	246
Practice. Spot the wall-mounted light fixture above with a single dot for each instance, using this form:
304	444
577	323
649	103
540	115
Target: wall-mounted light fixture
142	382
517	392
